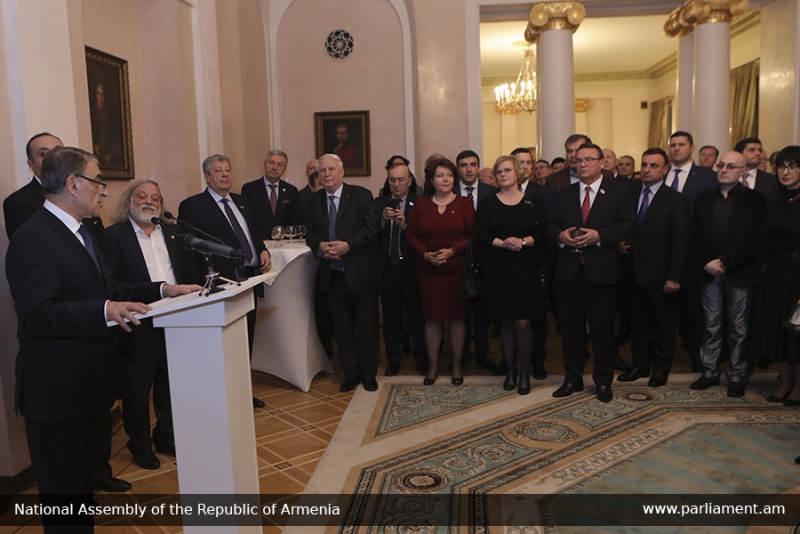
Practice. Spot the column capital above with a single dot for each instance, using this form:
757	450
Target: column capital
683	20
554	16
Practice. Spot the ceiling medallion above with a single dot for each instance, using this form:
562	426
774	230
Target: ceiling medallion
339	44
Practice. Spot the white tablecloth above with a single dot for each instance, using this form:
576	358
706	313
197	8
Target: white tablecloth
286	343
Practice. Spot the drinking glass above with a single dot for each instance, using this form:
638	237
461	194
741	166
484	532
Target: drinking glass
277	235
289	232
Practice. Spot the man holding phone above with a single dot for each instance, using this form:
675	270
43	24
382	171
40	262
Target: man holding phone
589	218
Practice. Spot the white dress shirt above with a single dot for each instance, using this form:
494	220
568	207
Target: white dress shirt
464	193
682	177
156	255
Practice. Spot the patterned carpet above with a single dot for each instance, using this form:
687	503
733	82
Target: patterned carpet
479	459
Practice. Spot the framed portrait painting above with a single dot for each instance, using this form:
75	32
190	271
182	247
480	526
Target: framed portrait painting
346	134
110	113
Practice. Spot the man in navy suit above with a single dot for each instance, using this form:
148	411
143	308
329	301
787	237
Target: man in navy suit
589	219
64	295
274	200
754	178
690	180
468	185
399	286
230	218
660	246
569	174
305	194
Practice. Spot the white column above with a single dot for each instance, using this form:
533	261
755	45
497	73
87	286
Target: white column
556	105
712	85
684	85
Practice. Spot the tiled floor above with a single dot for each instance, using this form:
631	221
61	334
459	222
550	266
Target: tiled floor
293	430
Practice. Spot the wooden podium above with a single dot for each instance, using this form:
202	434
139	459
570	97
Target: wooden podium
211	390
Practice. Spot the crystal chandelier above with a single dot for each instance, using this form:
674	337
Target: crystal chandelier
521	95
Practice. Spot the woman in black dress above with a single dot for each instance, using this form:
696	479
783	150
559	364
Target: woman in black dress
509	225
780	283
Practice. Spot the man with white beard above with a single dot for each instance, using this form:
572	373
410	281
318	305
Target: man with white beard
145	252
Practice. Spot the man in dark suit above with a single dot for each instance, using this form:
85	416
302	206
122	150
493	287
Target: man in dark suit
587	222
399	271
754	178
305	194
274	200
707	156
468	185
569	174
726	238
66	371
660	246
230	218
145	253
342	228
690	180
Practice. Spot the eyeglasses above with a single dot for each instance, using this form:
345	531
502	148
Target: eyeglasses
588	161
103	185
788	167
730	166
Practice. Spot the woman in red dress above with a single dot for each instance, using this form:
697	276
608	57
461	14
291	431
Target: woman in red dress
438	228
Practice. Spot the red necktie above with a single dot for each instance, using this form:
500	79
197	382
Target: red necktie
273	199
586	206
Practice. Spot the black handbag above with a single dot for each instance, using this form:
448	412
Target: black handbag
470	281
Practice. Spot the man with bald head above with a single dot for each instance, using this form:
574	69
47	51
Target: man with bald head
610	161
726	239
304	194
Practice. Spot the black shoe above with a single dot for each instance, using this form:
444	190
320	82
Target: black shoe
168	449
634	374
258	403
457	381
622	365
704	382
349	384
791	402
369	383
604	393
657	380
112	485
391	370
428	381
568	388
524	382
775	398
485	362
797	460
736	389
146	460
510	382
539	372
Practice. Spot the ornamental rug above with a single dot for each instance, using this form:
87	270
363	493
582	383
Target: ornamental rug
478	459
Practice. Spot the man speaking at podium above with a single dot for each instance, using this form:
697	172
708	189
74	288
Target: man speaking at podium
66	369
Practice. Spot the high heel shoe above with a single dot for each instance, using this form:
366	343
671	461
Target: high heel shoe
431	381
524	380
510	383
457	380
775	398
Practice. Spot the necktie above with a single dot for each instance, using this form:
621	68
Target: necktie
675	183
470	189
586	205
244	244
273	197
645	204
336	265
394	246
87	242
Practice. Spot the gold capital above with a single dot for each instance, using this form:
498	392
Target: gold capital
554	16
677	24
684	19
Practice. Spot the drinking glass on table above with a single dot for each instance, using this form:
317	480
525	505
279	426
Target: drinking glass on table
301	231
289	231
277	235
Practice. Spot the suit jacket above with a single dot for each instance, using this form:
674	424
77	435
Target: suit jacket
409	261
768	185
542	193
484	190
132	268
304	195
612	215
744	235
357	224
67	362
699	179
661	240
286	212
203	212
559	180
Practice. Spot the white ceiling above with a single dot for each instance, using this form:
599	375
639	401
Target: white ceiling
600	45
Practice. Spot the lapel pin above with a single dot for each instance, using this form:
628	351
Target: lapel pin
602	191
283	190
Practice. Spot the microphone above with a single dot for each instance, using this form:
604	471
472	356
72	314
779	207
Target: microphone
190	242
171	217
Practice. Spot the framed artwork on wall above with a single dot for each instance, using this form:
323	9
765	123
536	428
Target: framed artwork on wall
346	134
110	113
